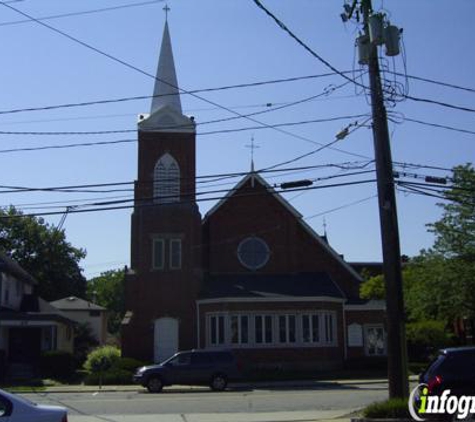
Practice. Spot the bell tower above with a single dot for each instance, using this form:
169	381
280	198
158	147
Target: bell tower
163	282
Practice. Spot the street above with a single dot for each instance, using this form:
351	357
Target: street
324	400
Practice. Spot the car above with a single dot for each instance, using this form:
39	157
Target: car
194	367
453	369
14	408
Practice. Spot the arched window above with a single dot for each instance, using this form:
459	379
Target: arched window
166	180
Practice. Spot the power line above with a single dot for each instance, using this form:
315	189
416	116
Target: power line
437	125
84	12
124	141
305	46
148	204
146	97
432	81
350	204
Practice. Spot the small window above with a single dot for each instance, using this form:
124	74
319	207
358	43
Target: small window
253	253
310	328
287	329
263	329
374	340
175	254
181	360
217	330
158	254
329	328
166	180
239	329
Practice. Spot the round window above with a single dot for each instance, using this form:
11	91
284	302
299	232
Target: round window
253	253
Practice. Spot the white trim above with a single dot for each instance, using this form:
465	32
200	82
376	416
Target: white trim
274	318
291	209
271	299
372	305
165	119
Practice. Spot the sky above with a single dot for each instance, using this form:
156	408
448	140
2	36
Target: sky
220	44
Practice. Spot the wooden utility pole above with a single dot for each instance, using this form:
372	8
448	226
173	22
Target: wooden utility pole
396	339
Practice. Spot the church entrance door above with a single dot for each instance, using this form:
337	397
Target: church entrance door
165	338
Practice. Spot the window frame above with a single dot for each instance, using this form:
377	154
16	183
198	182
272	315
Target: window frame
156	240
171	242
366	330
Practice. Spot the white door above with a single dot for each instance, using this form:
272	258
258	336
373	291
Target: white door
165	338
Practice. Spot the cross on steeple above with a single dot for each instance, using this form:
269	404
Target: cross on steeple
252	146
166	9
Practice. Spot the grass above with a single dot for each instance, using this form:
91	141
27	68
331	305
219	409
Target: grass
392	409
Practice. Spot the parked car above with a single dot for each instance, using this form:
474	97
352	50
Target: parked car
14	408
194	367
453	369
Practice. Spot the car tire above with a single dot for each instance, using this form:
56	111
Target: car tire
218	382
154	384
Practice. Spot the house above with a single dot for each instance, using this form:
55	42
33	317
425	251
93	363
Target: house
28	324
250	275
84	312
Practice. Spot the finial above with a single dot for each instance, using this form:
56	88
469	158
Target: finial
166	9
252	146
324	227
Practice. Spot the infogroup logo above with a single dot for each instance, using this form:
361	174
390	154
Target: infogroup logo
421	403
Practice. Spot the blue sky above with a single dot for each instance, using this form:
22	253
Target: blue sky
221	43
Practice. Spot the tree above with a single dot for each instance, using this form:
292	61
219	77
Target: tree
439	284
107	290
42	250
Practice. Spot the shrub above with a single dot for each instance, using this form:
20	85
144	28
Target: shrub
113	376
57	364
425	338
389	409
101	359
128	364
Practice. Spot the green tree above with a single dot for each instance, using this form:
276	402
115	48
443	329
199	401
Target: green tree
107	290
455	231
44	252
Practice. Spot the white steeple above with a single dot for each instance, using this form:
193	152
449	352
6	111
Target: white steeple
166	90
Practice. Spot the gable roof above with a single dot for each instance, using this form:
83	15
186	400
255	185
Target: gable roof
10	266
271	286
322	241
73	303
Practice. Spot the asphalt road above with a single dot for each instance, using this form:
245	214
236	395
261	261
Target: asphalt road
322	401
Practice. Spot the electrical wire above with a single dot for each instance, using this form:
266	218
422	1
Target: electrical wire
150	203
146	97
84	12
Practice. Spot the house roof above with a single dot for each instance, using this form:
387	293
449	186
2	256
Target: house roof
73	303
256	178
302	285
36	309
10	266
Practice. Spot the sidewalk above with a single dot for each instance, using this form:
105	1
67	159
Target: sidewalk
232	386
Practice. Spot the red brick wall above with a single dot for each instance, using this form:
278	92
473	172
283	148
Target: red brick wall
260	214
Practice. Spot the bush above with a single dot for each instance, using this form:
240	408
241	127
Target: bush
113	376
425	338
388	409
57	364
128	364
101	359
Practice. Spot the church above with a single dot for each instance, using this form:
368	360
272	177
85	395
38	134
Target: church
250	275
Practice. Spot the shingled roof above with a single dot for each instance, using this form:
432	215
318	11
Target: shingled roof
270	286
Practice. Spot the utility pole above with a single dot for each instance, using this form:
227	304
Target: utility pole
396	339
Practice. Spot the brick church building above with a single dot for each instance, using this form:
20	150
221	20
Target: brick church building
250	275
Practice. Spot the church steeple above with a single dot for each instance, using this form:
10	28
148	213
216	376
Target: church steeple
166	90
